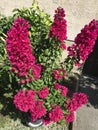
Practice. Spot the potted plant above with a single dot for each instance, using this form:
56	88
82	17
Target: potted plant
34	45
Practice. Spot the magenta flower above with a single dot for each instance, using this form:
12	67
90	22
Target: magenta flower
19	49
59	74
38	111
46	121
70	117
71	105
78	64
84	41
22	81
58	28
57	86
78	99
43	93
36	70
21	102
56	114
30	94
64	91
25	100
81	98
29	79
63	46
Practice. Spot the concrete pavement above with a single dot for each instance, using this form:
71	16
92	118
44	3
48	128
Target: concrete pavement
87	116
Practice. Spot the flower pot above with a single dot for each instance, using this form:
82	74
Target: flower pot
34	124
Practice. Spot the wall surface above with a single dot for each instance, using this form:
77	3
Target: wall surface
78	12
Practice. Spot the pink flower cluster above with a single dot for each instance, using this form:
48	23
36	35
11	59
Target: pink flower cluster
59	74
63	89
56	114
43	93
70	117
18	47
38	111
46	120
20	52
36	70
84	41
63	46
25	100
58	28
78	99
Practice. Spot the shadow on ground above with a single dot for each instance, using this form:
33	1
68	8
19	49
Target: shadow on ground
89	85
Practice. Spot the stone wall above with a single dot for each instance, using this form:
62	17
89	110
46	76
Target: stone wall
78	12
